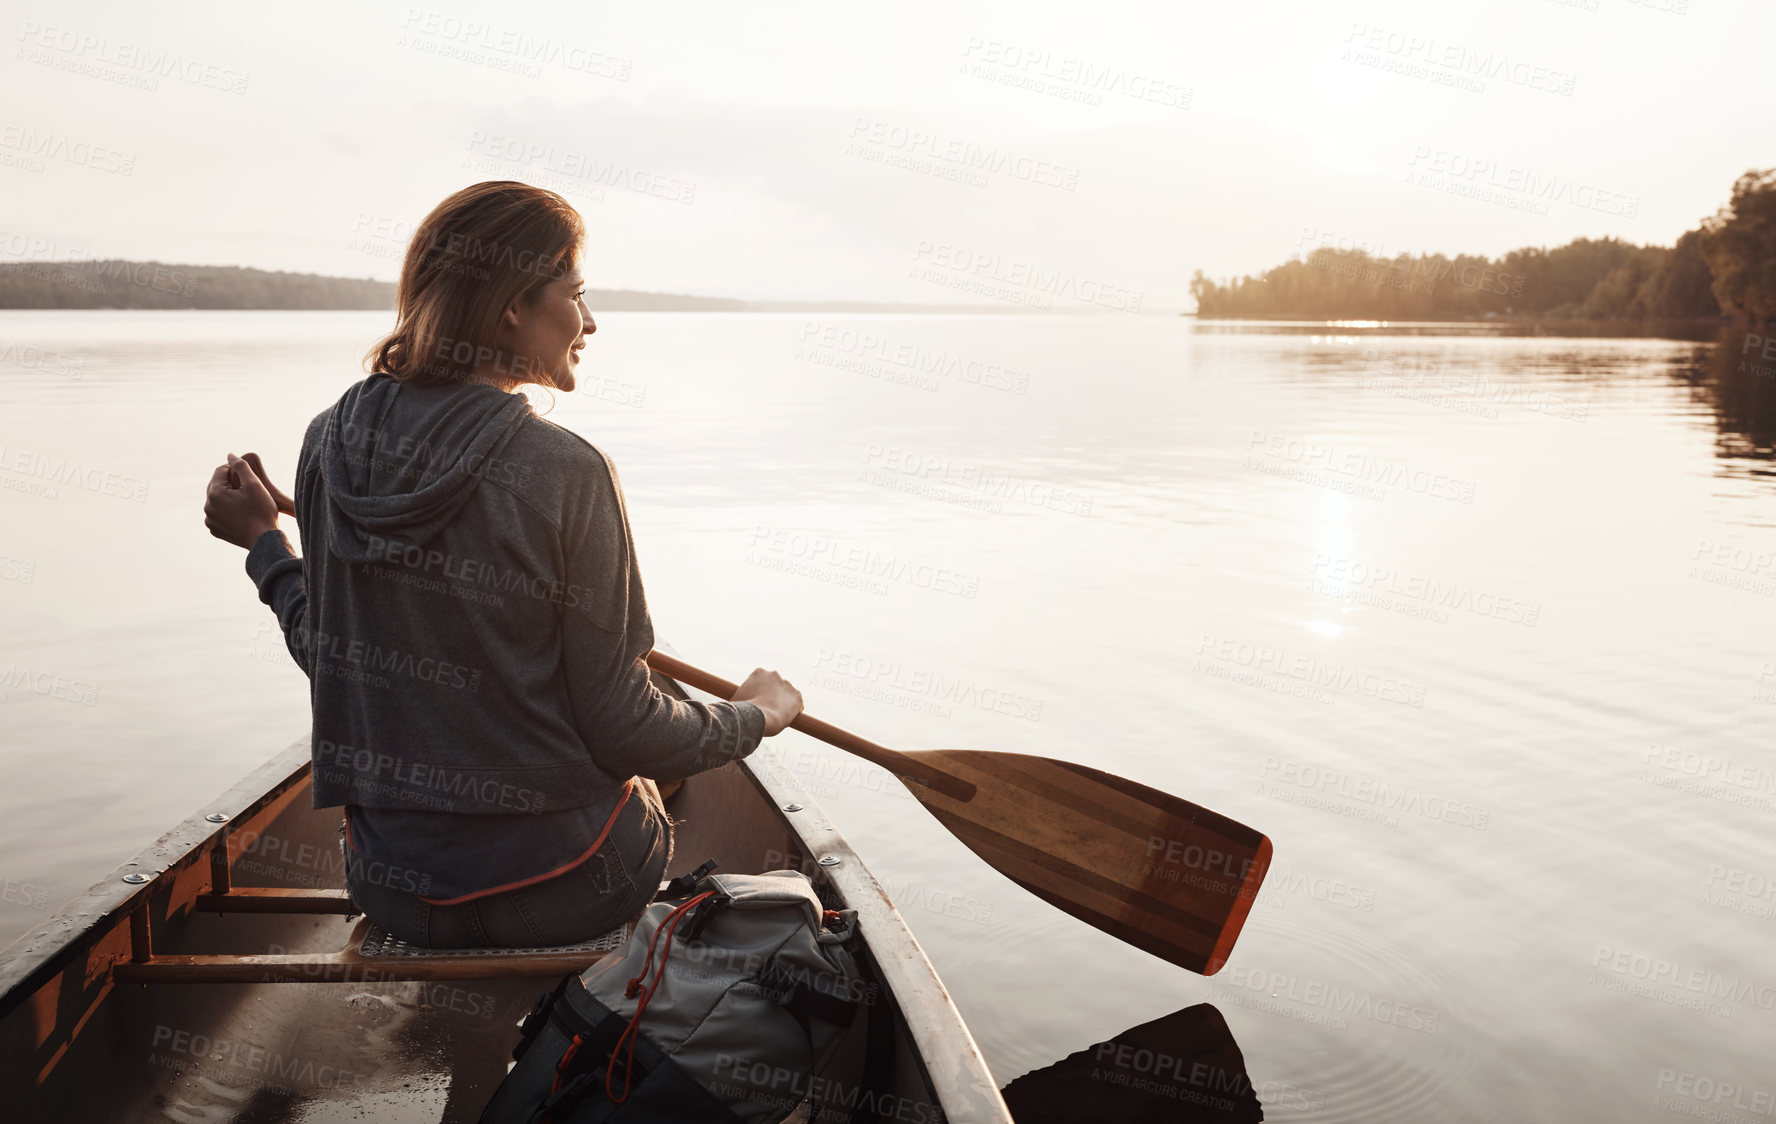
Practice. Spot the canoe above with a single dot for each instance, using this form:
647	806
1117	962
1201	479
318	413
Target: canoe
220	976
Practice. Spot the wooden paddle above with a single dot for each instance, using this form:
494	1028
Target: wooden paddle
1163	874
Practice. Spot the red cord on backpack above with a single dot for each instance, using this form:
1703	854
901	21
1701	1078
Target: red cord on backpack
668	926
561	1067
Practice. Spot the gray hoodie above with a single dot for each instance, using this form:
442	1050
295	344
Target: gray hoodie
472	621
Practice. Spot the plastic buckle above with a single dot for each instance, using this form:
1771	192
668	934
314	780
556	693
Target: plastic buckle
686	884
691	926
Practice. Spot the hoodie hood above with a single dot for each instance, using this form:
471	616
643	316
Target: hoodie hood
399	461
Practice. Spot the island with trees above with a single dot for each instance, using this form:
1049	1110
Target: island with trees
1722	271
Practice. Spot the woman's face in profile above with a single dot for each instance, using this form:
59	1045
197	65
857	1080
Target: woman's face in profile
550	332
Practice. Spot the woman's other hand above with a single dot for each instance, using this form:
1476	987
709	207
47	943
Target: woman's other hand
238	508
774	695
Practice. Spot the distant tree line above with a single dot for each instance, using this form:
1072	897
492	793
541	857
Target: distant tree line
1725	268
127	284
139	284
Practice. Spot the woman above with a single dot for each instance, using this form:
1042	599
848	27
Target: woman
469	610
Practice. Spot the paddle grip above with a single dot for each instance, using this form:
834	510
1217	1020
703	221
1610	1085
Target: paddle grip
902	766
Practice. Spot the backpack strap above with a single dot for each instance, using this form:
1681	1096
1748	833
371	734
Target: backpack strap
803	1001
604	1049
879	1068
666	1092
798	997
539	1015
576	1072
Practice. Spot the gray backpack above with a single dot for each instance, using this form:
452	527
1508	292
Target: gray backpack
727	1000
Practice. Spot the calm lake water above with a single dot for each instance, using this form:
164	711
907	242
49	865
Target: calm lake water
1476	628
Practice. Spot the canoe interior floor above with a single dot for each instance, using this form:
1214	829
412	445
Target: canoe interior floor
373	1048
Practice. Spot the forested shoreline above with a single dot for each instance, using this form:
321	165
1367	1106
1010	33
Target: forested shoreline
133	284
1724	270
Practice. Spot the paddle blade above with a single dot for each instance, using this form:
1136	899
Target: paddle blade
1160	873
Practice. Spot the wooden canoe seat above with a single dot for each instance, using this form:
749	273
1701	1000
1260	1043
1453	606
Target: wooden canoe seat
377	946
370	953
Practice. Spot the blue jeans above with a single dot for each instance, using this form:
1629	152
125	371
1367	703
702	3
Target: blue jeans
607	890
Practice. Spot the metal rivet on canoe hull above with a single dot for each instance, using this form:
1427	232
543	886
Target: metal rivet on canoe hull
792	807
216	817
830	860
135	879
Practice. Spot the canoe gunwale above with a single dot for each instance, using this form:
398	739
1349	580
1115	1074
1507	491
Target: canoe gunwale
38	957
954	1066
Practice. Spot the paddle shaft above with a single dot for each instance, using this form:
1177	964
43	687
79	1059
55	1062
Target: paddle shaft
897	763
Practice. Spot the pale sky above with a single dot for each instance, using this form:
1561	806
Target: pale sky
759	150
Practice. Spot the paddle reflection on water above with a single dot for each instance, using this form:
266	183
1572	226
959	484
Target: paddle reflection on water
1182	1067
